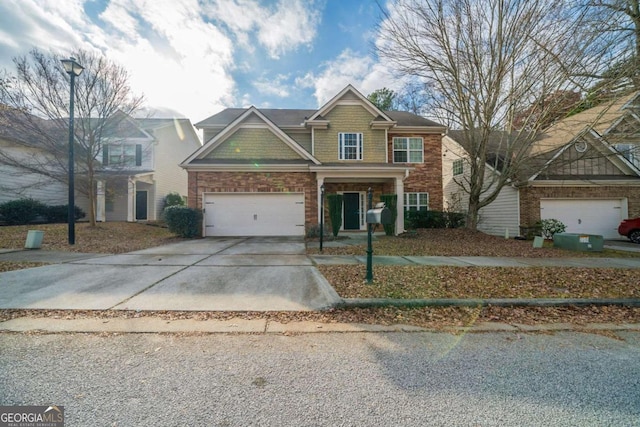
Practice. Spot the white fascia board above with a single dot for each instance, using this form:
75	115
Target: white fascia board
368	105
442	130
245	168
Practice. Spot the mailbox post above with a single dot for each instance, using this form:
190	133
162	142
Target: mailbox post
378	215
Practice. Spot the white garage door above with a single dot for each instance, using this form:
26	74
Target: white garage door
254	214
588	216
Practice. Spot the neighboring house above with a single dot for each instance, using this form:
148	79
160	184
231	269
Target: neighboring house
501	217
140	167
584	171
262	171
137	168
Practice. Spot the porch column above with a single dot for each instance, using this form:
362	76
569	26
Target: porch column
319	182
131	200
100	202
400	207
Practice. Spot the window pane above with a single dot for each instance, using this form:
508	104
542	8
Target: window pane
413	198
400	156
399	143
415	156
415	143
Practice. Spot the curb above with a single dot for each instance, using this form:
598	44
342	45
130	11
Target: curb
495	302
264	327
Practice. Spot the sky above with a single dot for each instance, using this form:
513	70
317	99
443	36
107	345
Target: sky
193	58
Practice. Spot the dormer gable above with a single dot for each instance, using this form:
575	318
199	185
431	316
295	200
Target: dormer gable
350	96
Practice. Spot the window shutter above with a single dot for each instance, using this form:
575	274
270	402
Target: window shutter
138	154
105	155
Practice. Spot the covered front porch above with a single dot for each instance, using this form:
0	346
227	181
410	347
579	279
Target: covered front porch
353	182
126	198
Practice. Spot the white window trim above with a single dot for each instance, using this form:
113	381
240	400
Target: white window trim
420	199
453	167
360	146
407	150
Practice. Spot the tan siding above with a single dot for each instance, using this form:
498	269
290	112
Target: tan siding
350	118
254	144
168	176
304	139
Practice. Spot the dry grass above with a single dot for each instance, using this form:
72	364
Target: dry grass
107	238
461	242
407	282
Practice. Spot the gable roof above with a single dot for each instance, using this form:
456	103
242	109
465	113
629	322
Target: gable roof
214	142
601	119
359	98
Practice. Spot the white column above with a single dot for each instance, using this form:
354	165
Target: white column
131	200
319	182
400	203
100	202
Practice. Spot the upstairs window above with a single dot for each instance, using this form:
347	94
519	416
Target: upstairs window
408	150
350	146
123	155
458	167
630	152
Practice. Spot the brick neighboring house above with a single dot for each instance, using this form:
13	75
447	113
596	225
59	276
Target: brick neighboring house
260	171
585	172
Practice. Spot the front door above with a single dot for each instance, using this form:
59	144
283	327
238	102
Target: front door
351	202
141	205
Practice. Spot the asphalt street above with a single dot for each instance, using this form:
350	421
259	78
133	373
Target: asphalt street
332	379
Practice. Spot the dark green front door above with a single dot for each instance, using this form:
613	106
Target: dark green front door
141	205
351	203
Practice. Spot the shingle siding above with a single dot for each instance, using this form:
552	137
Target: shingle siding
250	144
349	118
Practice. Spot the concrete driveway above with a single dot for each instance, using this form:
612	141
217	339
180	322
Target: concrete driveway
212	274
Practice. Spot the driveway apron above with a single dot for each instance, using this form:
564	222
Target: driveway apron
212	274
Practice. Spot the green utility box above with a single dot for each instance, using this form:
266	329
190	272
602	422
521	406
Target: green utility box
578	242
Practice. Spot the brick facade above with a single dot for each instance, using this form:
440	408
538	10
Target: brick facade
256	182
427	176
530	198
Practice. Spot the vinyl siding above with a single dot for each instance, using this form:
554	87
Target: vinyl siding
169	151
496	218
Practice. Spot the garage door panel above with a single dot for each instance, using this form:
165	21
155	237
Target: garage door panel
588	216
254	214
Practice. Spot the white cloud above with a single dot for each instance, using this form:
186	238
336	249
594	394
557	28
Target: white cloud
362	71
277	86
280	29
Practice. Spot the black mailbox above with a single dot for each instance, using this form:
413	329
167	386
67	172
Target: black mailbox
379	215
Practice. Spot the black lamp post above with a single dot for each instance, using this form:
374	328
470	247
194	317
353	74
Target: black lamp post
74	69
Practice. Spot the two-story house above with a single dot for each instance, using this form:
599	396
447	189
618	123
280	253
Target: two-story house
140	167
262	171
136	167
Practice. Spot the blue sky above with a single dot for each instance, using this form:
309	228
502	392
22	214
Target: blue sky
196	57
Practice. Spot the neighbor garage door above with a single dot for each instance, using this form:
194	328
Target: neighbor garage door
588	216
254	214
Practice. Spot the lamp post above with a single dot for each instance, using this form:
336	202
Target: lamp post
321	215
74	69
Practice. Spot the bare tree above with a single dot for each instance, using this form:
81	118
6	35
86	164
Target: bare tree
36	100
485	61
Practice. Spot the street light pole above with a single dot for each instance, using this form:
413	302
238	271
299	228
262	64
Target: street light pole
74	69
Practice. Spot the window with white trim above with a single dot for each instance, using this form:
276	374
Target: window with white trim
122	155
408	150
350	146
458	167
416	201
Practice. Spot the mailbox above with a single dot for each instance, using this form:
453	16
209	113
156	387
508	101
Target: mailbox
379	215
